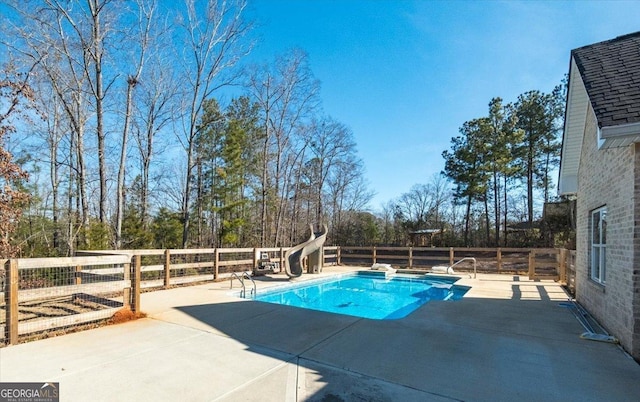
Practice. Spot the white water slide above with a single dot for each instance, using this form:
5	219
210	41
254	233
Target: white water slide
312	247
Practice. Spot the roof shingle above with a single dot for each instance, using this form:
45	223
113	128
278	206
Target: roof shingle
610	71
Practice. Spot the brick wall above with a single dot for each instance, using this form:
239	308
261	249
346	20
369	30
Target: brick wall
607	177
635	275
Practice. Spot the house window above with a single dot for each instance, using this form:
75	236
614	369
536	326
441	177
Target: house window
599	245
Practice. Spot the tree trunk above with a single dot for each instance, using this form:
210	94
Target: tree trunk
264	189
466	222
530	189
496	205
506	209
55	183
200	203
487	224
131	82
82	187
545	179
97	53
186	197
146	165
279	186
72	217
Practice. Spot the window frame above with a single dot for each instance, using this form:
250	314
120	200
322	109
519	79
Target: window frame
598	245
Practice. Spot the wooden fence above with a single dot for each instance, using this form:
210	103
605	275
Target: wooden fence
567	270
44	294
534	262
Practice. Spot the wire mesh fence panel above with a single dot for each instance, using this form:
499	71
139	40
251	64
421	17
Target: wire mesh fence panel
152	270
188	266
235	260
164	268
488	260
423	258
58	293
362	256
331	255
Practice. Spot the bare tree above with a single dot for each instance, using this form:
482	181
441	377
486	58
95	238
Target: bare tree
441	192
53	132
45	43
146	12
94	53
153	114
212	36
331	145
416	206
286	94
72	42
348	190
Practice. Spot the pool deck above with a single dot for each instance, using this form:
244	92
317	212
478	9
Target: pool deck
507	339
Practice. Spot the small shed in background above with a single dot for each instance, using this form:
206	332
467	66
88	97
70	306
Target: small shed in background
423	237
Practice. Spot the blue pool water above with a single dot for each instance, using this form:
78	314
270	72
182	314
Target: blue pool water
367	296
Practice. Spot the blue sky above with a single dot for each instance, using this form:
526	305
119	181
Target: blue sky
405	75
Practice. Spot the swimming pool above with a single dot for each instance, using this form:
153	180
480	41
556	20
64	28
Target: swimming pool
367	296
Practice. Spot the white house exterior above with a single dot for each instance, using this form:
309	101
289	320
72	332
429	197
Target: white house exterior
600	166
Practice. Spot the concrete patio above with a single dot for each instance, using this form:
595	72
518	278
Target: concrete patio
507	339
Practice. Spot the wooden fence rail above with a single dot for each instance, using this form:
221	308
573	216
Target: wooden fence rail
496	260
107	281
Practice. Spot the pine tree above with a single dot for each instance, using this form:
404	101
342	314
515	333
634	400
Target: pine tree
238	154
502	138
538	114
465	166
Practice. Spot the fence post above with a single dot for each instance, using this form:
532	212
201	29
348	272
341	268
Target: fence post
339	255
255	259
374	254
11	296
571	267
126	296
216	263
167	268
532	265
562	265
451	256
135	283
78	275
499	258
410	257
281	259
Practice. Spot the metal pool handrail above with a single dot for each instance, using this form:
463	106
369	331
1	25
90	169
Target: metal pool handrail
243	292
254	290
475	271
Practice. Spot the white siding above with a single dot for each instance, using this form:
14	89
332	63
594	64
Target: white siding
577	106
